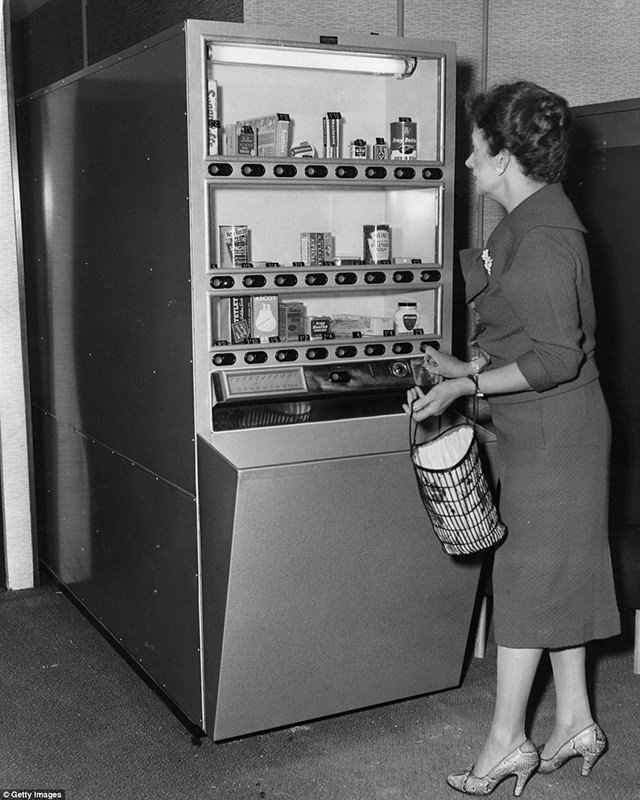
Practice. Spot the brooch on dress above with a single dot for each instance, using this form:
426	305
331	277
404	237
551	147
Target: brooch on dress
487	261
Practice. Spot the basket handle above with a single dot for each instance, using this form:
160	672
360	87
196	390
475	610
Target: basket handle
413	425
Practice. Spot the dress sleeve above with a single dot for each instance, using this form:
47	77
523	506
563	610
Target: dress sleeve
541	286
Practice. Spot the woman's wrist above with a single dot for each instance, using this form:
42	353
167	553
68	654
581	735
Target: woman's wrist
465	386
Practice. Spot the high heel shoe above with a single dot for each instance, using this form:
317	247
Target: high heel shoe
521	762
590	743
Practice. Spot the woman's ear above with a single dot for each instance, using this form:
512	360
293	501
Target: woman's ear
502	161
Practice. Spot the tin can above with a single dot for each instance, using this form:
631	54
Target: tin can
234	245
380	150
404	140
376	243
358	149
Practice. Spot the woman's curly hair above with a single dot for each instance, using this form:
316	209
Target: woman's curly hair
532	123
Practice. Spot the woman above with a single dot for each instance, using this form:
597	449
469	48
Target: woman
552	580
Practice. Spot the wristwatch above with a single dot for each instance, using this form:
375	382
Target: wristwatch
474	380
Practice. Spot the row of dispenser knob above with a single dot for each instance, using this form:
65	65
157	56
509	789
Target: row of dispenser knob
225	169
284	279
319	353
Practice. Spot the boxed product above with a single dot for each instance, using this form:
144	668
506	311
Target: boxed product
290	319
234	314
332	134
273	132
264	317
316	248
246	141
213	123
318	327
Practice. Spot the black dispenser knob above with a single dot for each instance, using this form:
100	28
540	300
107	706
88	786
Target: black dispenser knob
253	170
255	357
222	282
404	173
220	169
346	351
401	348
344	278
317	353
254	281
316	279
223	359
339	376
403	276
346	171
374	350
430	275
285	170
375	172
316	171
287	355
286	280
432	174
375	277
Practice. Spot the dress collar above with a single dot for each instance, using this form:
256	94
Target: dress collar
548	207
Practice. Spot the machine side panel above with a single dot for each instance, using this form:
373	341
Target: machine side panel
122	542
218	482
104	177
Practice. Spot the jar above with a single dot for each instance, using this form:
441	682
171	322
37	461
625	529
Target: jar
406	317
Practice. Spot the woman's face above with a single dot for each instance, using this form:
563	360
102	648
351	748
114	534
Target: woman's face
483	165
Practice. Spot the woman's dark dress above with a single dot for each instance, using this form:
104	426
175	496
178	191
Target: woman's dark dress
552	577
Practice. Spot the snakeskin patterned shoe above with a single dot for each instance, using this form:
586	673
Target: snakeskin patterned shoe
521	762
589	743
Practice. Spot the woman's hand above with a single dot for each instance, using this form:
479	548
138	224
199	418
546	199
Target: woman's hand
444	365
437	400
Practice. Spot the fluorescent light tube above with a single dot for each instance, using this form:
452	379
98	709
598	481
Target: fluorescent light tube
312	59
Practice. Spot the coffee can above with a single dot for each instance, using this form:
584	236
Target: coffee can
376	243
234	245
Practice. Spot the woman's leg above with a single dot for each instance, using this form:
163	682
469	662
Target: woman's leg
573	711
516	671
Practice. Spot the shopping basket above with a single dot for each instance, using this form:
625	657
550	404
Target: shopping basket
454	489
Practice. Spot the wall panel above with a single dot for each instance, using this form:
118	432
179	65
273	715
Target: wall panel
364	16
587	50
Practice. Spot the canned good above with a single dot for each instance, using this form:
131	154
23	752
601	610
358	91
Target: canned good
358	149
404	140
376	243
380	150
234	245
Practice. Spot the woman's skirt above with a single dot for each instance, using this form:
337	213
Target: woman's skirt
552	577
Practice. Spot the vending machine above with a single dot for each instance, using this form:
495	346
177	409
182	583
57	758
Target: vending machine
238	243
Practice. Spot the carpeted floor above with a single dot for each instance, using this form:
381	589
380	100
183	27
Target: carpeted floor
75	716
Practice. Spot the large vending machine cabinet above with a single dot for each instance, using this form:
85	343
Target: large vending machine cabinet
238	243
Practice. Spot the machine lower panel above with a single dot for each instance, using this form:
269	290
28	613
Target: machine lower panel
324	590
